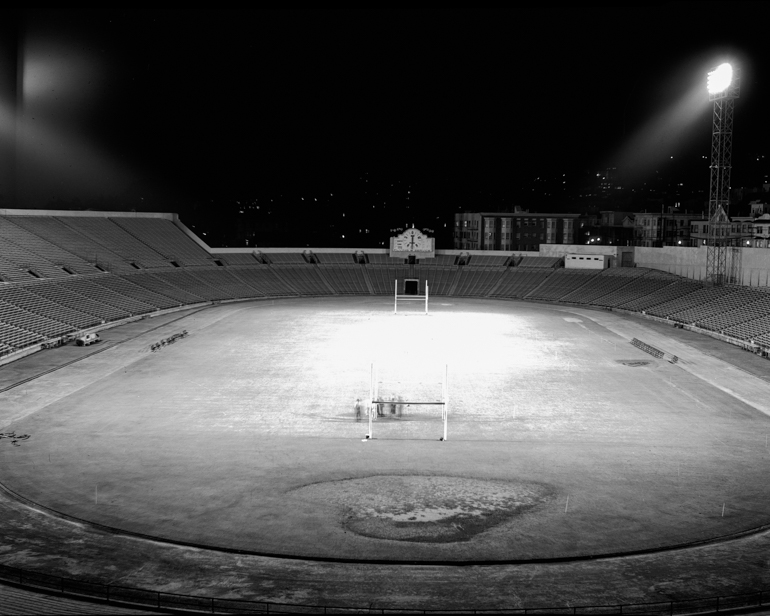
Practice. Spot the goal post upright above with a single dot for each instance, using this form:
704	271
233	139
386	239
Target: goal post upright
372	394
444	389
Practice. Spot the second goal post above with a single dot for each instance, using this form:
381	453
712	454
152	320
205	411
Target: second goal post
410	284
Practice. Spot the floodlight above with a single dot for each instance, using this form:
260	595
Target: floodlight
724	86
720	78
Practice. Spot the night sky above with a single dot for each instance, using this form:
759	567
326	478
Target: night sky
160	110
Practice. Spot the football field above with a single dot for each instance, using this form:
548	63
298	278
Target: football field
564	440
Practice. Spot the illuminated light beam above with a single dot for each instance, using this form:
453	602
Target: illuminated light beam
660	136
69	164
46	126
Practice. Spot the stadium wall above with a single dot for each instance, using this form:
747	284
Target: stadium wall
754	263
618	256
679	260
755	266
370	251
86	214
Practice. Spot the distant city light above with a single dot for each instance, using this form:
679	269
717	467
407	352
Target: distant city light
720	78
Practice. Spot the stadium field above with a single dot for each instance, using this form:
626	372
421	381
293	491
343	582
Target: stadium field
565	441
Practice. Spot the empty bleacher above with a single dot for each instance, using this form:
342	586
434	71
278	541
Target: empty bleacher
345	279
90	288
107	234
31	263
439	279
438	260
757	305
235	258
189	282
14	337
124	286
10	272
278	258
604	284
60	275
268	281
56	232
40	304
71	298
301	279
382	279
476	282
751	331
32	322
225	284
551	262
487	261
703	303
379	259
336	258
517	282
165	238
560	283
52	254
161	286
655	288
673	297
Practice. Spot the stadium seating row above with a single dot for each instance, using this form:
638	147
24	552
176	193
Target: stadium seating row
61	275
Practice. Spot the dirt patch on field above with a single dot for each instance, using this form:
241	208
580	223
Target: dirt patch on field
425	508
635	363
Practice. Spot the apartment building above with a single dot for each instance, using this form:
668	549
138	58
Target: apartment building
514	231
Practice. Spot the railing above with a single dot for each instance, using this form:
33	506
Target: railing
212	605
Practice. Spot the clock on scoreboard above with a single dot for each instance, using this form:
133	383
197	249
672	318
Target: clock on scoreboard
412	242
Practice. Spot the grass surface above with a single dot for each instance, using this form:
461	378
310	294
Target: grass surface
214	440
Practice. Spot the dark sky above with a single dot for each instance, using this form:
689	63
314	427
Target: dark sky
192	105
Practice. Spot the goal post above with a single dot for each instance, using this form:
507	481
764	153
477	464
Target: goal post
406	297
405	402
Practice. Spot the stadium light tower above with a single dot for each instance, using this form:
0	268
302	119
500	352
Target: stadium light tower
723	89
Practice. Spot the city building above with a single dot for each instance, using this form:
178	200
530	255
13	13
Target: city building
761	233
757	208
740	231
520	230
657	229
609	228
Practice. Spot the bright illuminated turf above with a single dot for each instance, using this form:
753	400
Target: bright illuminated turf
213	439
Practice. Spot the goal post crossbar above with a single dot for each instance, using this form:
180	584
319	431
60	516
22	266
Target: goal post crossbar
405	402
397	297
374	400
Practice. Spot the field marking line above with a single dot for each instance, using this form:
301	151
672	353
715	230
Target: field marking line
699	364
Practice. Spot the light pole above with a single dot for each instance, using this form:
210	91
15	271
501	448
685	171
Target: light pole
723	89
